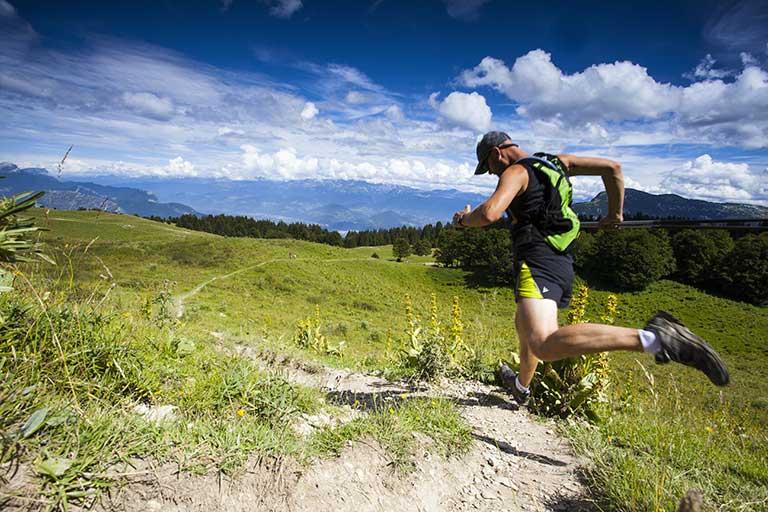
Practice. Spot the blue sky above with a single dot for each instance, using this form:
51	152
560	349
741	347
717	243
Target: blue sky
389	91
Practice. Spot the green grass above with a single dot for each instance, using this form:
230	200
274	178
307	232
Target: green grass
83	343
392	425
666	428
654	442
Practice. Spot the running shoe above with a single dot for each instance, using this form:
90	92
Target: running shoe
680	345
508	377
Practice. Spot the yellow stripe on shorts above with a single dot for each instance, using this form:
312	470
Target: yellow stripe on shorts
526	286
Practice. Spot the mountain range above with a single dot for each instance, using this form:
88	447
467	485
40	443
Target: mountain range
671	205
341	205
73	195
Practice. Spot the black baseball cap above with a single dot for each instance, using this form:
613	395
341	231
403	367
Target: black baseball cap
489	141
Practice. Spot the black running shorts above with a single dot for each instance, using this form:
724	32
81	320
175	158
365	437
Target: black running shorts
543	273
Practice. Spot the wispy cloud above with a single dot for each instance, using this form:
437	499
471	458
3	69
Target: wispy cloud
6	9
465	10
282	8
739	26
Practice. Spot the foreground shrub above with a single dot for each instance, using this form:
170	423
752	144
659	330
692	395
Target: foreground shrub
574	385
16	232
433	351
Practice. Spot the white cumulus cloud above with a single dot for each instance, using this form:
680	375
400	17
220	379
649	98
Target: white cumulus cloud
705	178
734	112
309	111
468	110
706	70
179	167
603	91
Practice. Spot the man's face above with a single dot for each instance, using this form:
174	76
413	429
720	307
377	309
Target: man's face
496	160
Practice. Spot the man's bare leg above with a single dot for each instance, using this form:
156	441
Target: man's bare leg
536	322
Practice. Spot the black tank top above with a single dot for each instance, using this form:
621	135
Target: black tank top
526	207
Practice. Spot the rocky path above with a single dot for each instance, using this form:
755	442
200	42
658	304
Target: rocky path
517	462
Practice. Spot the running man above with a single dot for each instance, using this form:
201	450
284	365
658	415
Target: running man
536	194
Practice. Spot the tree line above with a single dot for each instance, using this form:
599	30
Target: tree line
631	259
242	226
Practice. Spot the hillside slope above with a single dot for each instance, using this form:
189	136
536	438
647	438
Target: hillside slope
243	301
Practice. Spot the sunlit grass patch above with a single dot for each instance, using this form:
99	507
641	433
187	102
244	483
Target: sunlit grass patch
392	422
73	379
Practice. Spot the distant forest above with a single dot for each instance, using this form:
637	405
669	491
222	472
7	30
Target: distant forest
242	226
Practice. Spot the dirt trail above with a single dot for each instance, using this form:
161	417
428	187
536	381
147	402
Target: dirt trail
517	463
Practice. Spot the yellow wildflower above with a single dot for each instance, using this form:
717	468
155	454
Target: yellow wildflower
240	413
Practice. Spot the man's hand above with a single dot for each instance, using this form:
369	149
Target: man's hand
610	221
459	215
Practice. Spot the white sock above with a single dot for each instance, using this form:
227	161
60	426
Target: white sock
519	386
650	341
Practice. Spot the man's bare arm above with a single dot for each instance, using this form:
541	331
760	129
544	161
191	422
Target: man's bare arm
511	182
613	179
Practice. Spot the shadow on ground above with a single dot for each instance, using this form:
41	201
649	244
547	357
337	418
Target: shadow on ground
376	400
508	448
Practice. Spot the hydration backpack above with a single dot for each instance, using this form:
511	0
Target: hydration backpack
557	224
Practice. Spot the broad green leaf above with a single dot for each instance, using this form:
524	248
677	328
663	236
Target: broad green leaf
6	280
185	347
53	467
59	418
34	422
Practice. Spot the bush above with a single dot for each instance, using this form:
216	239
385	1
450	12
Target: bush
433	351
700	253
309	336
584	250
16	242
632	259
486	250
745	271
401	248
575	385
422	248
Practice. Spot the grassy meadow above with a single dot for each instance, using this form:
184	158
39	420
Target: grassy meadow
663	430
